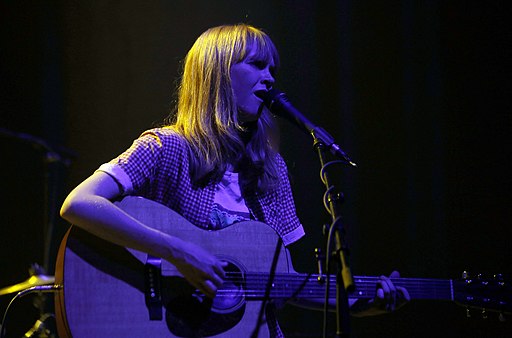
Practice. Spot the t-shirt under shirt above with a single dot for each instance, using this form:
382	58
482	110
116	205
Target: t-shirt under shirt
228	204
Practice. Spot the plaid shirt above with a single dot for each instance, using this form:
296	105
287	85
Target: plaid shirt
156	167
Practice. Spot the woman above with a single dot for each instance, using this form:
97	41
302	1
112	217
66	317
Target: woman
216	164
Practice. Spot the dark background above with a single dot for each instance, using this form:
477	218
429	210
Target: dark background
416	92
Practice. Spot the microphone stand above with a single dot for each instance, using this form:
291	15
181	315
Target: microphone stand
344	280
278	103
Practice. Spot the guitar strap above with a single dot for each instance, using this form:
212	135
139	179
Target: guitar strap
152	287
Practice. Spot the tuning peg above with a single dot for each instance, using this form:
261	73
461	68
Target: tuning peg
500	280
501	317
498	276
468	313
466	277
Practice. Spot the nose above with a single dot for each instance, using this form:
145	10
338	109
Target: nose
267	78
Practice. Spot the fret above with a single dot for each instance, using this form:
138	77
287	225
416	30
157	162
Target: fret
307	286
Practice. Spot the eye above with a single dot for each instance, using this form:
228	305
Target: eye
260	64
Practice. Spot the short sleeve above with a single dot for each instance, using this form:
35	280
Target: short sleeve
118	174
139	164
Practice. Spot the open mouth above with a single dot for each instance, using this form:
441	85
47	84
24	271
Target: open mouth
260	94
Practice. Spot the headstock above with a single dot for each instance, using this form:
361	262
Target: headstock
485	294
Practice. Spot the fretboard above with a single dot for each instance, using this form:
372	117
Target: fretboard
294	286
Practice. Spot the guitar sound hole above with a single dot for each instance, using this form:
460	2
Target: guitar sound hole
191	314
231	296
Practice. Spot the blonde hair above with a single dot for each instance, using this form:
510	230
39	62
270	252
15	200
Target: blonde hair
207	114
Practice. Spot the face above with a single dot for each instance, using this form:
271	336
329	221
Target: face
249	76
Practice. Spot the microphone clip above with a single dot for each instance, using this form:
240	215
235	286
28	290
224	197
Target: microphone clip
323	138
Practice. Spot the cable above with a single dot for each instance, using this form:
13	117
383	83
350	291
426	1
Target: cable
328	279
322	170
329	240
40	288
324	181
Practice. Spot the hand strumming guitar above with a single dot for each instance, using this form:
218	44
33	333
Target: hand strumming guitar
200	268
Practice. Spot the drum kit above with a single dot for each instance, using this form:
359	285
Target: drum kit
39	282
44	327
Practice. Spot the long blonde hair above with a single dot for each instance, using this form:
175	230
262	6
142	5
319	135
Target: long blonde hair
207	114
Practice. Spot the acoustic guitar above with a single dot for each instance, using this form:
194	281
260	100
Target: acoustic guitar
111	291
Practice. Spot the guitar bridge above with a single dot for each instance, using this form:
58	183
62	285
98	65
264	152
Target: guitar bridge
152	289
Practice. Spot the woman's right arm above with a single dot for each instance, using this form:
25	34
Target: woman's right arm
89	207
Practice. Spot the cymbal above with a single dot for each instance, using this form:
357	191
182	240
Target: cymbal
34	280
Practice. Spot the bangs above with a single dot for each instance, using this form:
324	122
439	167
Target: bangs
265	48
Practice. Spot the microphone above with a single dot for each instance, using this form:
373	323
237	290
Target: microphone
279	104
40	288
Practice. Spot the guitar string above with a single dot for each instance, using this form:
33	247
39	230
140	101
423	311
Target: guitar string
238	277
318	293
287	285
299	276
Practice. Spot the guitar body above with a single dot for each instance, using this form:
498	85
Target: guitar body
103	291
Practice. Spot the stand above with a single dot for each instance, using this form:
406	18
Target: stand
344	281
45	326
278	103
54	159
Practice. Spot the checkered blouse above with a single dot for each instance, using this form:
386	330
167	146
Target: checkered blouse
156	167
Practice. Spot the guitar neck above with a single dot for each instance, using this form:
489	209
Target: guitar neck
290	286
418	288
